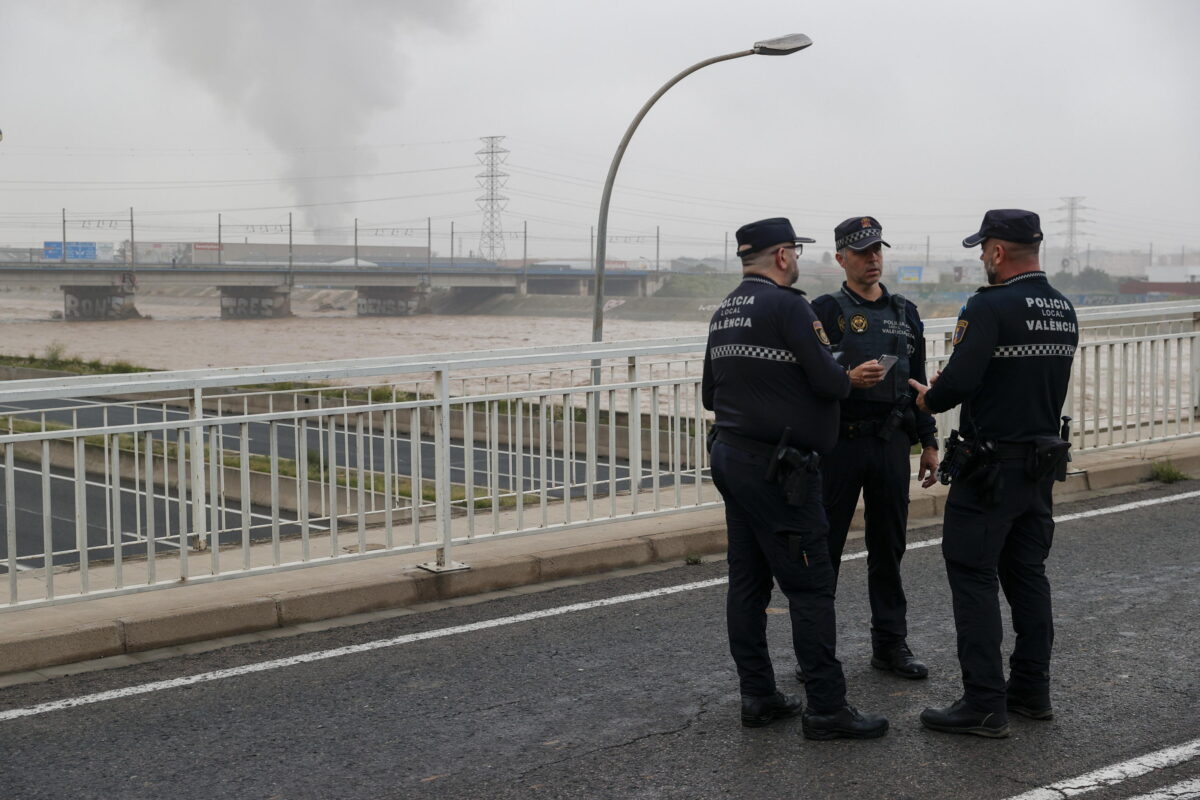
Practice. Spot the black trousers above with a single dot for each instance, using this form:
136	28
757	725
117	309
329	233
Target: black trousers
879	470
768	539
1007	544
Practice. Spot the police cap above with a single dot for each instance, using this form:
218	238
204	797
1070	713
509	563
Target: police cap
766	233
1009	224
858	233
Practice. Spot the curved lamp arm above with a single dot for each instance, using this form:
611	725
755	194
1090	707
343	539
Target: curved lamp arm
781	46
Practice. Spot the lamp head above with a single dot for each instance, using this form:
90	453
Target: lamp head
783	45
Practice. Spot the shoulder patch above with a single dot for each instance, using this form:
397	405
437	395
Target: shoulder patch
819	330
960	331
841	323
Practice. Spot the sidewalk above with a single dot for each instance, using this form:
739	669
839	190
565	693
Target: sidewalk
39	643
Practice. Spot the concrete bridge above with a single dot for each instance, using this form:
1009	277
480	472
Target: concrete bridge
99	291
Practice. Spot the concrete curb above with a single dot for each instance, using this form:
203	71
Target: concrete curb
152	630
336	591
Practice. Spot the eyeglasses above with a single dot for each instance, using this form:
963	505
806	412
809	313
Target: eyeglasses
799	248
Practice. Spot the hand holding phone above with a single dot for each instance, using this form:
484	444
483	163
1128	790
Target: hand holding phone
887	360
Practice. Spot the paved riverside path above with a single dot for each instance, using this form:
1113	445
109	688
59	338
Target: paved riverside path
638	698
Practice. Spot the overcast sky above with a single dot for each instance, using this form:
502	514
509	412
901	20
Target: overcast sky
923	113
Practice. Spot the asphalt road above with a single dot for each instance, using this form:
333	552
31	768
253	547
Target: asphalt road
638	699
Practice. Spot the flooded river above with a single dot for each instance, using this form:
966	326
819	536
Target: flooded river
187	333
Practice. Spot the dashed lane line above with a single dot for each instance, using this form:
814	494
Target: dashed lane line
1184	790
379	644
1115	773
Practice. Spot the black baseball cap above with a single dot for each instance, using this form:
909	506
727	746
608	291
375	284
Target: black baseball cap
858	233
766	233
1009	224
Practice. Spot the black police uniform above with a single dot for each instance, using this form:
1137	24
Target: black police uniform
878	427
767	369
1013	348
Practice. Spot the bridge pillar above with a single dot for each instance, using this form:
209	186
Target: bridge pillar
390	301
255	302
82	303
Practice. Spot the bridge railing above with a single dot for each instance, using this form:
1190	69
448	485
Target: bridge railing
125	483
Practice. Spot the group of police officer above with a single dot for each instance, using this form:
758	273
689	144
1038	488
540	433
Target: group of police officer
817	404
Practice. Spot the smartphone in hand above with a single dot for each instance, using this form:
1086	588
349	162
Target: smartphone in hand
887	360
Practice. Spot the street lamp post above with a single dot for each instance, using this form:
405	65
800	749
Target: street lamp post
782	46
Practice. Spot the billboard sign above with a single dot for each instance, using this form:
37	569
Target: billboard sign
76	251
909	274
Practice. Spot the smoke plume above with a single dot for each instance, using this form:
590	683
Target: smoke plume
309	74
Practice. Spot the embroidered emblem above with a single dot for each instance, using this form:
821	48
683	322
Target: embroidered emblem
858	323
842	324
866	222
960	330
819	329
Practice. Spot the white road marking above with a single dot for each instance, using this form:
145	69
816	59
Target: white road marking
322	655
1184	790
1115	773
1096	512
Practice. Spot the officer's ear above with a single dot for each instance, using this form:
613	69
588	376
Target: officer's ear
781	259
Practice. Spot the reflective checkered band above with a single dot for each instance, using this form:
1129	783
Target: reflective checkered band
857	236
752	351
1028	350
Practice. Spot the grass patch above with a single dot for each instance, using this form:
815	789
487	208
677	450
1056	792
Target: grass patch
54	359
1166	472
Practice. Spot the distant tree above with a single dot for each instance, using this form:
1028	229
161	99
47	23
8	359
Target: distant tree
1091	279
826	259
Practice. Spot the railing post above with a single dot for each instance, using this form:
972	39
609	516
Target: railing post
1195	351
199	524
635	432
441	477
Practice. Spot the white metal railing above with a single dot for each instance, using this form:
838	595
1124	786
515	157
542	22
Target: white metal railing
126	483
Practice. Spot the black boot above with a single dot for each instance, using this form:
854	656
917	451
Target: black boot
759	711
958	717
845	723
899	660
1034	704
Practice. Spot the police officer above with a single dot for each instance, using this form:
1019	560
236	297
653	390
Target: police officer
770	378
1013	347
878	426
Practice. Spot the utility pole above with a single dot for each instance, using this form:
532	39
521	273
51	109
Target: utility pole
525	246
356	241
132	244
219	243
289	240
657	246
1150	259
491	202
428	244
926	254
1073	221
63	255
451	243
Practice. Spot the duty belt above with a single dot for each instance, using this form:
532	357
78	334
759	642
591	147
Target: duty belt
1012	451
752	446
862	428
